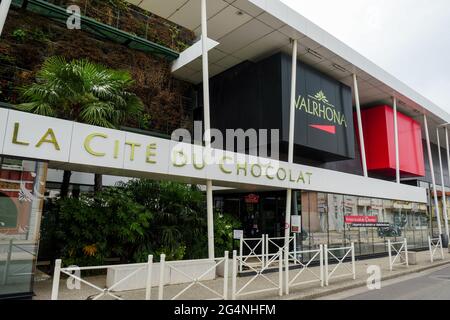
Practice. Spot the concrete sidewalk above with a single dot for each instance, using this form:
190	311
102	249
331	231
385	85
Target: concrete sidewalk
43	289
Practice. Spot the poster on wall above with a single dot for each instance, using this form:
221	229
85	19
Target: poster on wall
296	224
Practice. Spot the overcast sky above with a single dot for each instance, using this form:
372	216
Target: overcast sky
408	38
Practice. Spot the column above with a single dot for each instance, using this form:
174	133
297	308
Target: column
4	9
360	129
433	179
206	119
443	181
287	231
397	153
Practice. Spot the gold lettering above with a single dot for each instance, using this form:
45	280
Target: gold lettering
52	139
150	153
133	146
183	159
116	149
242	167
253	172
198	166
222	167
15	139
284	174
301	178
87	144
267	172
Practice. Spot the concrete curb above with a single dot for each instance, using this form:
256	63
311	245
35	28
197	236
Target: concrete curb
359	284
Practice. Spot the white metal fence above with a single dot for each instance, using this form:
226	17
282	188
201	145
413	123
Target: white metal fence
174	267
278	243
244	288
435	245
395	252
75	273
301	267
257	253
341	264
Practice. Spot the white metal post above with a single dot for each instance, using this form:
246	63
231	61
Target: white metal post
56	277
286	278
280	273
234	275
433	178
321	264
353	261
225	276
325	252
265	250
448	168
444	197
406	253
295	249
397	152
206	119
390	254
4	9
148	287
162	267
241	251
360	128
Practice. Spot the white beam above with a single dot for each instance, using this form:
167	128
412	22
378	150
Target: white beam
4	9
397	153
287	230
192	53
448	169
206	120
360	128
433	179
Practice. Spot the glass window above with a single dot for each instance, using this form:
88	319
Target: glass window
22	186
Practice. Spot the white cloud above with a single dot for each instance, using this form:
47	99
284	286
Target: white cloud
408	38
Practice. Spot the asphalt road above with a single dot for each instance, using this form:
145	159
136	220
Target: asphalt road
430	285
433	286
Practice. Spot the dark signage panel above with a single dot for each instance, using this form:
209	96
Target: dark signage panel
324	113
257	95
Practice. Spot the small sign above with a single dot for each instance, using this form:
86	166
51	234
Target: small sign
296	224
252	198
371	225
238	234
360	219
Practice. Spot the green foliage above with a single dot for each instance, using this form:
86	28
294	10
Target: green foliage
224	224
19	35
131	221
82	91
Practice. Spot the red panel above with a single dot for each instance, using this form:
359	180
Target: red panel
378	128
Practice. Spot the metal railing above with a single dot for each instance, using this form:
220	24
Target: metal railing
173	266
274	259
397	259
274	243
254	245
435	245
340	262
304	268
71	272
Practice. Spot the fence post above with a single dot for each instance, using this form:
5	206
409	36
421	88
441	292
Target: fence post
442	247
353	261
325	251
267	248
263	254
295	249
321	264
280	272
234	276
225	276
241	251
431	249
390	254
56	276
286	270
162	267
148	287
406	253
